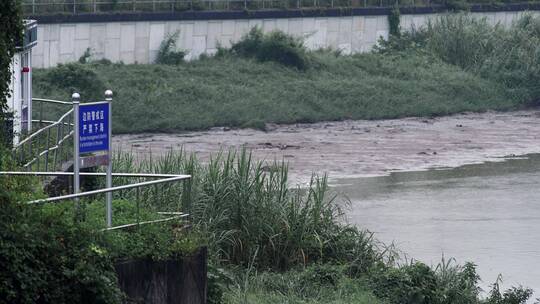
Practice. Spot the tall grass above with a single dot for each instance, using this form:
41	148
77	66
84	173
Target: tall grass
507	56
249	214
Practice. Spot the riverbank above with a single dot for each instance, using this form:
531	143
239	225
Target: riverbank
362	148
244	93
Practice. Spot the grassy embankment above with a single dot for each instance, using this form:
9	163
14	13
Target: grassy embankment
453	66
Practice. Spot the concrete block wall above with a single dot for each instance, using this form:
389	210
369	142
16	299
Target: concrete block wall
139	41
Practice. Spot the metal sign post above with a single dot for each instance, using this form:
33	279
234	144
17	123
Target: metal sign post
93	133
76	98
108	98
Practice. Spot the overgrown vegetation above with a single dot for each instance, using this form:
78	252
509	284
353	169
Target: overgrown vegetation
167	53
508	56
268	243
234	91
394	21
272	244
275	46
44	257
10	36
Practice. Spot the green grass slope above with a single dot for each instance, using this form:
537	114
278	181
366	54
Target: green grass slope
238	92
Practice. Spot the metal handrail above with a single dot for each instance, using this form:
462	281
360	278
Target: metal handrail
27	139
49	149
50	122
162	178
61	173
74	6
108	190
146	222
37	146
53	101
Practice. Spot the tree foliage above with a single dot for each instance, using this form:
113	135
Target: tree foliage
44	256
10	33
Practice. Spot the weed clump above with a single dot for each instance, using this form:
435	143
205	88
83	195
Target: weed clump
167	53
275	46
74	77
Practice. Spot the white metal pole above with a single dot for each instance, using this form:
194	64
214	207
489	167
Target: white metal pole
76	98
29	90
108	98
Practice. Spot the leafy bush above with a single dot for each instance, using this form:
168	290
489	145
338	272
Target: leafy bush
275	46
11	33
394	21
514	295
414	284
44	258
85	58
167	53
75	77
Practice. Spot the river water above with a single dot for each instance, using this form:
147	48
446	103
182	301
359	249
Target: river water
487	213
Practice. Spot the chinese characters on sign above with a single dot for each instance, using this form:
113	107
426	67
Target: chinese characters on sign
93	127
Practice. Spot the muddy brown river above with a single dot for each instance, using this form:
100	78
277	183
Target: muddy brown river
466	186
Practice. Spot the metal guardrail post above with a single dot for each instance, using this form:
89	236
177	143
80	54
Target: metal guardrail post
108	98
75	98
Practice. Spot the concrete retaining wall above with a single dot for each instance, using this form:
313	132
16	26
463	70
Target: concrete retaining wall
178	281
139	41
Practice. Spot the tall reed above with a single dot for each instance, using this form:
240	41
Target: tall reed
248	212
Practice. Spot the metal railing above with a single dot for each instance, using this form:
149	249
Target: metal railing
161	179
45	148
36	7
48	109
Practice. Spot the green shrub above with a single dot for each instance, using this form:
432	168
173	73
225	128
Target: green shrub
394	20
514	295
44	257
75	77
11	33
167	53
275	46
411	284
85	58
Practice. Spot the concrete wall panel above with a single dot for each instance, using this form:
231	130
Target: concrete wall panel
112	49
80	47
241	27
214	34
295	26
98	39
282	25
82	31
139	41
127	38
54	53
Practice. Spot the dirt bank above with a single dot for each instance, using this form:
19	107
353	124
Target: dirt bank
363	148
